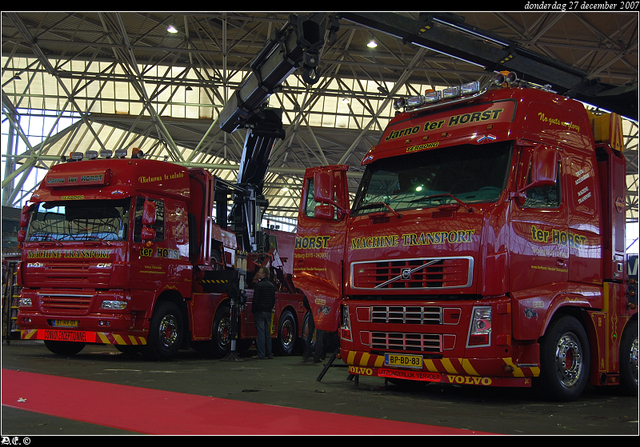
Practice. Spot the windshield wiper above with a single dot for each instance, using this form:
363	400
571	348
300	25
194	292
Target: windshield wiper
50	238
94	238
446	194
376	204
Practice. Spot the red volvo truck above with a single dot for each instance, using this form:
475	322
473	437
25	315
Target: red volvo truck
137	253
485	245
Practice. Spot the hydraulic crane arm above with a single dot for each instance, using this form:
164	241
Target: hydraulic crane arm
297	43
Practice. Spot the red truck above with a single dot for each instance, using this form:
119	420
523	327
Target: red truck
485	245
137	253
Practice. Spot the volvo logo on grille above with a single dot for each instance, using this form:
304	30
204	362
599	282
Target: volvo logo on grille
406	274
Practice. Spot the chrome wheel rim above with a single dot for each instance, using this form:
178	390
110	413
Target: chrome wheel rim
569	360
168	330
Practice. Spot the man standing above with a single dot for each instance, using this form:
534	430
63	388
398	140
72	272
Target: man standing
264	300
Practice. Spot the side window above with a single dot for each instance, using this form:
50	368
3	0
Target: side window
545	196
541	197
158	225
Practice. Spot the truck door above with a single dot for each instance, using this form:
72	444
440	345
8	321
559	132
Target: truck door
538	239
320	242
160	248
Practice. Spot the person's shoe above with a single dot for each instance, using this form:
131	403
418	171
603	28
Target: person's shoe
258	357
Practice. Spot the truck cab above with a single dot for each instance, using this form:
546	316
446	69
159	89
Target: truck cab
102	241
483	222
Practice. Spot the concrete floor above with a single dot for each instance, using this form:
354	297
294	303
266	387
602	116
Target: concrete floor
290	382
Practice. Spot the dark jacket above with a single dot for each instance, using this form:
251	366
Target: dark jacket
264	296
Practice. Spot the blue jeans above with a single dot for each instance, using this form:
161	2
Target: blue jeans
263	326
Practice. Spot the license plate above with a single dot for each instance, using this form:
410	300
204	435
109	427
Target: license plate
403	361
64	323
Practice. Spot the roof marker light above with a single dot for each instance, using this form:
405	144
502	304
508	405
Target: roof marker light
399	103
415	101
470	88
431	97
451	92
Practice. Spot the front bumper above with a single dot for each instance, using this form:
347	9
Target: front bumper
460	371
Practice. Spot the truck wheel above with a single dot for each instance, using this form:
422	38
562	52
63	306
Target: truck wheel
165	333
629	360
64	347
307	334
220	345
564	360
287	334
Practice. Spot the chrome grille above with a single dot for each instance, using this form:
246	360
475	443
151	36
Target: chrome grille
399	341
414	273
406	314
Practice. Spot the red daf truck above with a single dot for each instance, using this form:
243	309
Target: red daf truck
485	245
137	253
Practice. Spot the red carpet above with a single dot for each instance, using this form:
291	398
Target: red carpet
148	411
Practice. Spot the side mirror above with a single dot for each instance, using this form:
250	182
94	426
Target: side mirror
543	172
324	212
544	168
148	234
323	187
25	216
148	213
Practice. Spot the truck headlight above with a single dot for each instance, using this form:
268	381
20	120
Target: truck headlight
113	305
480	329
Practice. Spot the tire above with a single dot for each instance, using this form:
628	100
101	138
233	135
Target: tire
220	342
306	326
64	347
165	333
564	360
285	343
629	359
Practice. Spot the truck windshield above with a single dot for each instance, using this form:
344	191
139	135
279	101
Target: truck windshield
467	174
105	220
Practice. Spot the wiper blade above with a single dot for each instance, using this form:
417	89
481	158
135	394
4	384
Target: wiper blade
94	238
48	237
446	194
377	204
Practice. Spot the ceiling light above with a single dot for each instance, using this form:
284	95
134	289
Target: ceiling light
372	44
172	29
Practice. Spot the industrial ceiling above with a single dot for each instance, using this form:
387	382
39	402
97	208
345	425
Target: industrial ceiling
128	83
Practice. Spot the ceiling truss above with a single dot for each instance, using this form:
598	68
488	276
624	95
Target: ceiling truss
128	83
